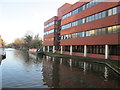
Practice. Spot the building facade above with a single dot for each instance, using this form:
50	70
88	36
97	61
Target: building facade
90	29
50	34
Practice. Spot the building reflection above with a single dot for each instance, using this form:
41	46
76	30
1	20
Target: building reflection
69	73
106	74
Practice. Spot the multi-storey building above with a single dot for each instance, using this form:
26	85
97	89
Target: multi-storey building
50	34
90	29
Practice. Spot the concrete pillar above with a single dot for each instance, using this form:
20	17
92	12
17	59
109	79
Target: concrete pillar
48	48
43	48
71	50
61	49
106	51
53	49
85	50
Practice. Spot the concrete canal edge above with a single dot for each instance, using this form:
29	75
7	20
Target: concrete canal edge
107	62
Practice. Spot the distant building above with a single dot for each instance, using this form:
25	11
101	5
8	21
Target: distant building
89	29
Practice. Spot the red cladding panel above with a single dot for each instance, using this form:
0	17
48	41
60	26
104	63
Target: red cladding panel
48	43
93	40
49	35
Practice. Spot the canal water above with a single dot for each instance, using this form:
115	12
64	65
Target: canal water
23	70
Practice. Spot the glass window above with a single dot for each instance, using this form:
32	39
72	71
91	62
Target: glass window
69	36
93	3
110	29
90	4
96	16
103	31
66	36
83	20
92	18
87	33
74	23
118	29
87	5
99	31
92	32
87	20
95	32
73	35
80	22
79	9
83	7
110	12
80	34
114	10
61	37
75	11
103	14
83	34
114	29
100	15
118	9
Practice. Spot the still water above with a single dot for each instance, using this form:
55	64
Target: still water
22	70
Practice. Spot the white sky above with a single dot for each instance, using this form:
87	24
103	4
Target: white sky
19	16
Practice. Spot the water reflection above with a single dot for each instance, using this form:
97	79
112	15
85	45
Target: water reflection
106	73
25	70
65	72
22	71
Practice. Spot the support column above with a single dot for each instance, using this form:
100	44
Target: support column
43	48
71	50
61	49
48	48
106	51
85	50
53	49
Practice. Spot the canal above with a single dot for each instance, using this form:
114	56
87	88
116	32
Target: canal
23	70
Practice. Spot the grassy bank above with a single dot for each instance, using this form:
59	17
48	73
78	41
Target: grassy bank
56	54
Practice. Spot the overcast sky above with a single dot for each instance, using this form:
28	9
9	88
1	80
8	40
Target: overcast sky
19	16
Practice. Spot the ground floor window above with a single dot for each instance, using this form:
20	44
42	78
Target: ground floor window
78	48
114	50
46	48
50	48
67	48
96	49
